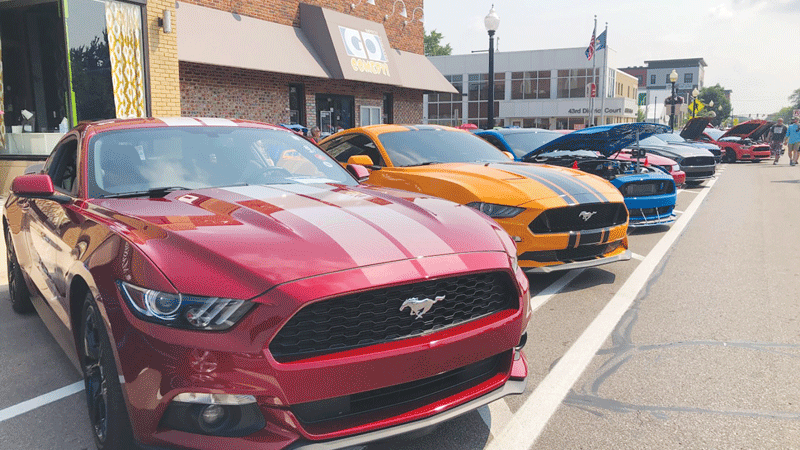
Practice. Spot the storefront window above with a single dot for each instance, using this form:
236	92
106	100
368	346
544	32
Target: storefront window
530	85
64	62
445	109
572	83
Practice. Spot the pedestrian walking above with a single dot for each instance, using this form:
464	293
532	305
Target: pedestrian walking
777	134
793	141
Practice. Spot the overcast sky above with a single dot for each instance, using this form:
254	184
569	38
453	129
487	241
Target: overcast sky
751	46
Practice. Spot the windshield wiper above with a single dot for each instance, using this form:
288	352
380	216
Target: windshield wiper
152	193
426	163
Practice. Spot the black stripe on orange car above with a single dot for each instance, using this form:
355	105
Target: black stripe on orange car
571	183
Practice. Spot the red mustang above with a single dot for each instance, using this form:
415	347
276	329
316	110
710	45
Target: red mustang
226	284
740	143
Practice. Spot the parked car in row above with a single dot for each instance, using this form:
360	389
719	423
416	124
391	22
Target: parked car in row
673	138
519	141
649	193
560	218
698	163
226	284
740	143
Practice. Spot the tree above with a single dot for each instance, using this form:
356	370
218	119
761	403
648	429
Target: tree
795	99
640	115
433	45
722	105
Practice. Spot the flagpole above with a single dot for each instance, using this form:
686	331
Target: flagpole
605	79
593	44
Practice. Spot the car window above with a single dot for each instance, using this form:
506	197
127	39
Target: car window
430	146
494	140
62	167
352	145
201	157
523	143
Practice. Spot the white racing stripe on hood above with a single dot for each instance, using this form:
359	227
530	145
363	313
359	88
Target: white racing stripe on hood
416	238
214	122
362	242
181	122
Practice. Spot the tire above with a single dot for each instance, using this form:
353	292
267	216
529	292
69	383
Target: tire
107	413
755	160
730	156
17	289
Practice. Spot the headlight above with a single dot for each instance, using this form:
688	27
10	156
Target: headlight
496	211
676	167
510	246
184	311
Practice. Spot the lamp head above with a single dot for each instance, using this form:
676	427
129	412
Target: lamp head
673	76
492	21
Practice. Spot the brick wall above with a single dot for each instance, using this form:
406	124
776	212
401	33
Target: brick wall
408	37
163	48
213	91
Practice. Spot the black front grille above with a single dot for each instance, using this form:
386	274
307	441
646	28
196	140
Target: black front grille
582	253
647	188
586	216
698	161
380	399
661	211
374	317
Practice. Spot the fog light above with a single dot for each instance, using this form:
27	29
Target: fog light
213	414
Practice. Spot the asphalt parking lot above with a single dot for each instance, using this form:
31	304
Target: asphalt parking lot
694	343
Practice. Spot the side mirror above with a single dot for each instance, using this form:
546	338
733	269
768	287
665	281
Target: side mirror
361	160
358	171
33	185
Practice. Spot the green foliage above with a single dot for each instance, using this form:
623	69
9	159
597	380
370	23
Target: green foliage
640	115
784	113
795	99
433	45
722	105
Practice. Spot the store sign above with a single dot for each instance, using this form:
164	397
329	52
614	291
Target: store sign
366	51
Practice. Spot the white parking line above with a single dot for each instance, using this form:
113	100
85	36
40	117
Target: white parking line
36	402
547	293
531	419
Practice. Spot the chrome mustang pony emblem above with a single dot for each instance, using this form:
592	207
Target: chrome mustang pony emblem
586	215
420	307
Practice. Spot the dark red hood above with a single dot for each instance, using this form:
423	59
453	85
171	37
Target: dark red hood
752	129
262	236
694	128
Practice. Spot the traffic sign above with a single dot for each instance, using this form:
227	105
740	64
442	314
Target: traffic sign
696	106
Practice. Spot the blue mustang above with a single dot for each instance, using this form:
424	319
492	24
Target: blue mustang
649	193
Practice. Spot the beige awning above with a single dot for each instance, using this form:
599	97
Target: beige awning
211	36
215	37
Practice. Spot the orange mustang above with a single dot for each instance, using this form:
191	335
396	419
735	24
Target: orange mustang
560	218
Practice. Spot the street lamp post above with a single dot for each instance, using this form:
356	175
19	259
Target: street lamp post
673	78
693	104
492	23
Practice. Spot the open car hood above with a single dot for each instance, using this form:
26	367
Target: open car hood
694	128
751	129
606	139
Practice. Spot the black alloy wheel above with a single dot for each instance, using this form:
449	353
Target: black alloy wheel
107	412
17	289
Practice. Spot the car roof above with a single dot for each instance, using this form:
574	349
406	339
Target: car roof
163	122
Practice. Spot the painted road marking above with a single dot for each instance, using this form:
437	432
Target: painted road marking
530	420
36	402
547	293
495	415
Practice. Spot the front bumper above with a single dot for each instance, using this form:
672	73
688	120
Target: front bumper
157	363
580	264
651	222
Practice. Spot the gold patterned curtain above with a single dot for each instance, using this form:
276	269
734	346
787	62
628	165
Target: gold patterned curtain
124	25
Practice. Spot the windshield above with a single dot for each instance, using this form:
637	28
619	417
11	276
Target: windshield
671	137
652	140
144	159
419	147
714	133
523	143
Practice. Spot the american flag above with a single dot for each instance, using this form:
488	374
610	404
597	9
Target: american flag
590	48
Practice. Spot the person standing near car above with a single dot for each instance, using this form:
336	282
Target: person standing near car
793	139
316	135
777	134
